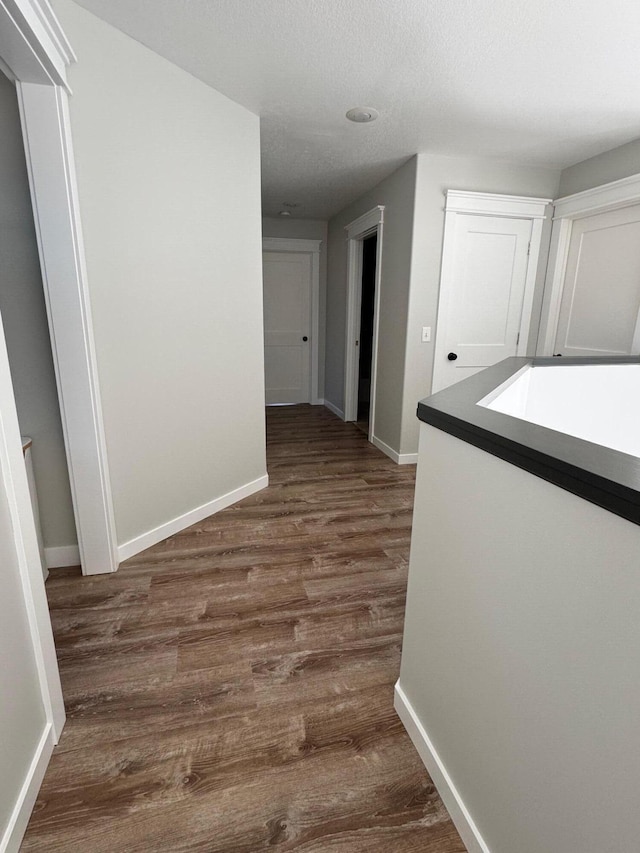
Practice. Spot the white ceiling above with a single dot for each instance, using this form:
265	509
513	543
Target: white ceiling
548	83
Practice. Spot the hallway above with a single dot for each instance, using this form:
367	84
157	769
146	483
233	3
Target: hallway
231	689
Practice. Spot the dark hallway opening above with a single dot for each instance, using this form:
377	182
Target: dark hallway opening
369	250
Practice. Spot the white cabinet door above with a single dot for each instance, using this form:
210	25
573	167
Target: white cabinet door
287	291
480	312
601	293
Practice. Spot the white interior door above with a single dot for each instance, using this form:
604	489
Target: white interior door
480	314
287	322
601	294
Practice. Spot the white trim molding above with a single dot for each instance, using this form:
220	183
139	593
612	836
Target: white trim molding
334	409
62	556
43	51
492	204
13	479
601	199
408	459
44	112
553	285
35	53
312	248
622	193
364	226
398	458
169	528
367	222
17	825
13	475
451	797
19	818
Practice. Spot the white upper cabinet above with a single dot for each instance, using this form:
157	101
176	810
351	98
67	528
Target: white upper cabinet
601	292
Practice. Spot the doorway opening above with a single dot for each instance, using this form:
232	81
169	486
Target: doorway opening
364	255
35	56
23	311
365	339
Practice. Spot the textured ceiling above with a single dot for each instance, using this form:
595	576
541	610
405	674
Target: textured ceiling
545	83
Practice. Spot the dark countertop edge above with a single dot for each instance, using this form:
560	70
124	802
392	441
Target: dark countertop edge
603	476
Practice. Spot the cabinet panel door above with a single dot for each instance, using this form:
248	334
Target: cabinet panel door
601	294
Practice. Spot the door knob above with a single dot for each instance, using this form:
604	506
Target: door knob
305	338
452	356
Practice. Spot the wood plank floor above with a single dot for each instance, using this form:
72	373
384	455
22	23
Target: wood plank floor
231	689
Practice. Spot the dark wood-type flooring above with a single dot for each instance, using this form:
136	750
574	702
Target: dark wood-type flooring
231	689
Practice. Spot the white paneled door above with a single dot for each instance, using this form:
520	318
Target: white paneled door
600	303
287	326
480	317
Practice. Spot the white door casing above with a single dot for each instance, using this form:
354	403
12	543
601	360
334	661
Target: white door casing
13	480
569	211
364	226
44	112
489	262
34	53
291	278
32	49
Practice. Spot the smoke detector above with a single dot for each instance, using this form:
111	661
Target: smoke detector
288	207
362	114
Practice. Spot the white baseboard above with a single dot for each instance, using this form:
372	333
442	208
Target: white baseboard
152	537
388	451
65	555
398	458
463	821
334	409
318	402
17	825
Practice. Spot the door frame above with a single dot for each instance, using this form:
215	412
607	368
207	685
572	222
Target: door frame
13	478
485	204
311	248
601	199
364	226
34	54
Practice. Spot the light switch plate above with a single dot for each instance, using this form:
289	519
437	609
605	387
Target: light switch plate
426	334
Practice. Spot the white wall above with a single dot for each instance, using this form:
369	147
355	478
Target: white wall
435	175
414	196
397	194
169	187
521	652
306	229
610	166
23	311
